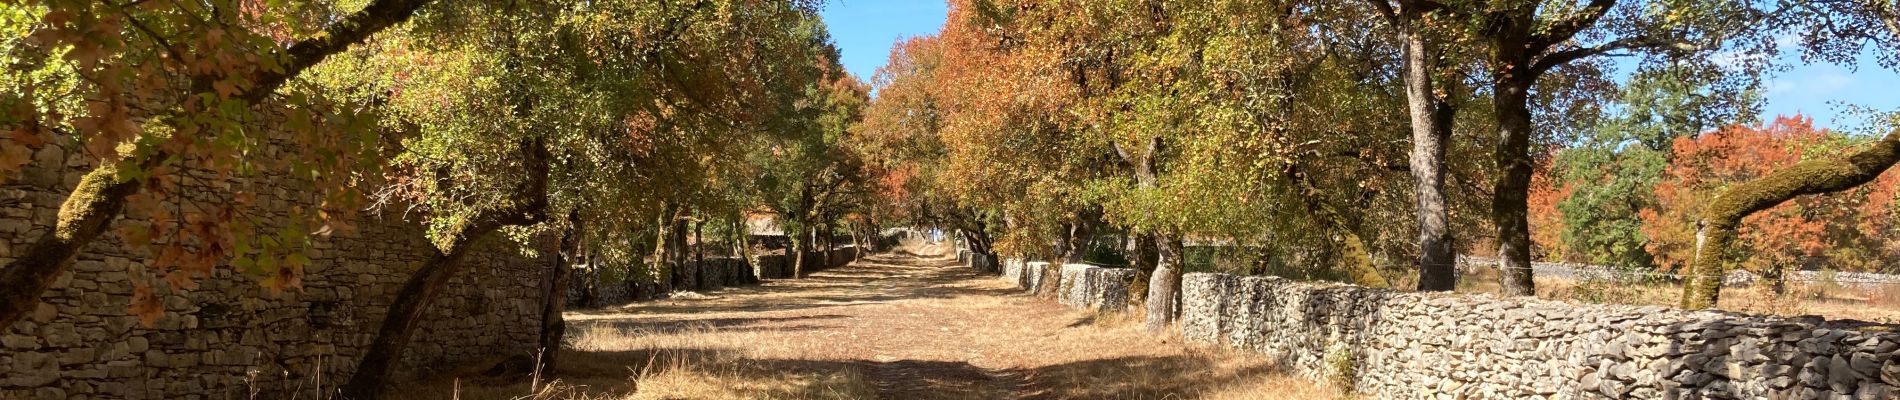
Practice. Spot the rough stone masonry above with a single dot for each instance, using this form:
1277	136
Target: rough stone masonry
1404	345
231	335
1081	286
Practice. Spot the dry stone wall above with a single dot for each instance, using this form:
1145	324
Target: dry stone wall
979	261
230	335
1027	275
1095	288
779	266
1404	345
1077	285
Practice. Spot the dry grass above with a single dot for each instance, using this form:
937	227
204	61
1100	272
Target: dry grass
1802	298
898	326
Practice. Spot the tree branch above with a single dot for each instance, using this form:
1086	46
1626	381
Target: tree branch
1384	9
1563	30
334	39
1552	60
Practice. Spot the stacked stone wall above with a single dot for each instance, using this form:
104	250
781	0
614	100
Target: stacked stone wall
980	262
1095	288
779	266
1076	285
230	335
1405	345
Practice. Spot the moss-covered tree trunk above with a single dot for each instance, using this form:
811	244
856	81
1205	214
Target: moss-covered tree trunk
1510	206
101	195
1715	231
91	207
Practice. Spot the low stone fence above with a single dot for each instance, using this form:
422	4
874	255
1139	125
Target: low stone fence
711	274
979	261
1027	275
1407	345
1076	285
718	273
778	266
1095	288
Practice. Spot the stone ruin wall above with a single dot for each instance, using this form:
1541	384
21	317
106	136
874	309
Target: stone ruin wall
231	335
1407	345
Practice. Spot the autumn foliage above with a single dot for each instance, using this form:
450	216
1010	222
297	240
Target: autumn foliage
1840	231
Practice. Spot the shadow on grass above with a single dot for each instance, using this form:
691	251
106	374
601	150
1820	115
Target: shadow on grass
749	324
615	374
875	279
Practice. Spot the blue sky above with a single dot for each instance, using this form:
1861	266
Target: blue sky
866	29
1820	90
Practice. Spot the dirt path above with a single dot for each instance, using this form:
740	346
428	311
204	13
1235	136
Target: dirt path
893	326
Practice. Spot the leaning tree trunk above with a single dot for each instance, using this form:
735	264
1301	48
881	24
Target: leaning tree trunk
1431	130
91	207
1164	285
1509	199
1715	231
373	371
553	326
405	312
101	194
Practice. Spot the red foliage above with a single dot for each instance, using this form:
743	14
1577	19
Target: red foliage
1546	221
1786	235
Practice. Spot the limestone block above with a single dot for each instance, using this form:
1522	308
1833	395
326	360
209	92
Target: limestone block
1033	275
1013	269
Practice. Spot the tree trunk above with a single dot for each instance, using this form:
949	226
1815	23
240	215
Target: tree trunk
531	203
699	254
92	206
1431	130
665	274
1164	285
1776	278
373	371
1076	241
797	252
1715	232
857	243
1141	251
1509	199
1142	256
553	326
688	275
